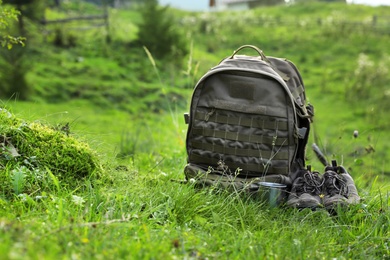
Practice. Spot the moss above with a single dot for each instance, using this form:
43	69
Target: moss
42	148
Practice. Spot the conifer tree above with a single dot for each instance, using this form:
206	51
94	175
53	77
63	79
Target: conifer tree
159	34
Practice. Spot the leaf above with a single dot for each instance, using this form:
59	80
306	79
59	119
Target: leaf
150	56
12	150
54	179
8	147
200	220
359	162
18	181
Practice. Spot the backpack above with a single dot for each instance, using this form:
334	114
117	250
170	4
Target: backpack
248	122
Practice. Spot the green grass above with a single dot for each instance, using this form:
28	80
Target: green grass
140	213
134	122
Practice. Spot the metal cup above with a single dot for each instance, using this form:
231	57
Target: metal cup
273	194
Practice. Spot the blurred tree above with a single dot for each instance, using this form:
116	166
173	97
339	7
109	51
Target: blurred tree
119	3
115	3
12	76
306	1
31	9
6	16
159	34
14	66
268	2
340	1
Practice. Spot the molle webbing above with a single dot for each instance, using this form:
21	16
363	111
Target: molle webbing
236	136
253	143
240	152
252	169
242	121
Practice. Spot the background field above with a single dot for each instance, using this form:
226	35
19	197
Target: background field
130	112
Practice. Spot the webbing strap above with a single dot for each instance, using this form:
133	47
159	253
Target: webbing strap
256	168
242	121
297	91
284	76
240	152
236	136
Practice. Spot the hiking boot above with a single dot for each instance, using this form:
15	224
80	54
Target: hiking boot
305	191
335	189
352	196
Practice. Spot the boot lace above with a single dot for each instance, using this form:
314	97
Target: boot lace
334	184
310	182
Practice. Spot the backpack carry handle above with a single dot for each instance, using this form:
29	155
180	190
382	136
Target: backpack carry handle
260	52
284	76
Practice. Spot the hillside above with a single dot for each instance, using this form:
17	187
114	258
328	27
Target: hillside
337	48
99	87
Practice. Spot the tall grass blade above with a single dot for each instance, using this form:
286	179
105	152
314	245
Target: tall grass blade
18	181
54	179
151	59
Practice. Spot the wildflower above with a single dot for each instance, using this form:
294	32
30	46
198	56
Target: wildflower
79	201
85	240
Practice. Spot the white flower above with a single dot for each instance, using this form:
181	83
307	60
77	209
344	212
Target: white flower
79	201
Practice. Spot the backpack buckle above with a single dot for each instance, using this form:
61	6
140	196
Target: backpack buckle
187	118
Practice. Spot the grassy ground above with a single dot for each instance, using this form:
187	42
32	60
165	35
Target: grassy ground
138	212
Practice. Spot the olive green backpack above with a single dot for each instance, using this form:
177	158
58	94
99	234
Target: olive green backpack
248	122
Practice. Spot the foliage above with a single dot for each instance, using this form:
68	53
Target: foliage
6	16
33	9
13	67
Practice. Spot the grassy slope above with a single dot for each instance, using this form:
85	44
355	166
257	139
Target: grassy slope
141	214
